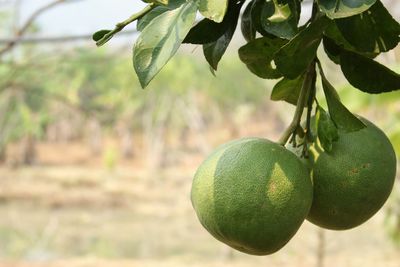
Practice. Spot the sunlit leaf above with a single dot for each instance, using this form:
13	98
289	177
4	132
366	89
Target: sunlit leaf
344	8
161	39
213	9
145	20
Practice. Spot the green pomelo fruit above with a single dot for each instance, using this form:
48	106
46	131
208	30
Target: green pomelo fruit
252	194
353	181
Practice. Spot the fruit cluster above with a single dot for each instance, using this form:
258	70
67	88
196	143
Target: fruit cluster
253	194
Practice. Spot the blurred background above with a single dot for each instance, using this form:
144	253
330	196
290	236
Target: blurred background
95	171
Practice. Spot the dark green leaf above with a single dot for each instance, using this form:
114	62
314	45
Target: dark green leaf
258	55
288	90
293	58
161	39
327	132
214	51
281	19
368	75
372	31
257	18
213	9
99	35
247	25
343	118
331	49
344	8
334	43
208	31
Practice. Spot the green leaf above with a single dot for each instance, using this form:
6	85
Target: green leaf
145	20
331	49
97	36
335	9
161	39
281	11
208	31
372	31
157	11
214	9
258	56
294	58
172	4
214	51
288	90
368	75
281	19
247	25
256	17
343	118
334	43
327	132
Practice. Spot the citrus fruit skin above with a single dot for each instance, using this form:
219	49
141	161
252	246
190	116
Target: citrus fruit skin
353	181
252	194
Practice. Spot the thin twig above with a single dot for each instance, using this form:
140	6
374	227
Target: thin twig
56	39
29	22
120	26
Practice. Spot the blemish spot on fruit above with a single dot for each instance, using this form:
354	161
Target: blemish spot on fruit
354	171
366	165
334	211
272	188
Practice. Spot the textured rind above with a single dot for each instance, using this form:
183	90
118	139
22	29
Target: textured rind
354	180
252	194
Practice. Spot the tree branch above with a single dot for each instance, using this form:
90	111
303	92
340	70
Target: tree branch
57	39
29	22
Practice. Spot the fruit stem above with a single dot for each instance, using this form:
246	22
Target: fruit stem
301	102
311	97
120	26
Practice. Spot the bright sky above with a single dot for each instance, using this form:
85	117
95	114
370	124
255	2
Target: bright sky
88	16
84	16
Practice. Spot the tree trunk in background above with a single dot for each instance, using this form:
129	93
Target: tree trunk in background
28	150
95	137
321	248
227	254
195	123
154	134
3	154
125	140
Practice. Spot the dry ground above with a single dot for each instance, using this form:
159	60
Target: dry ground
70	210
